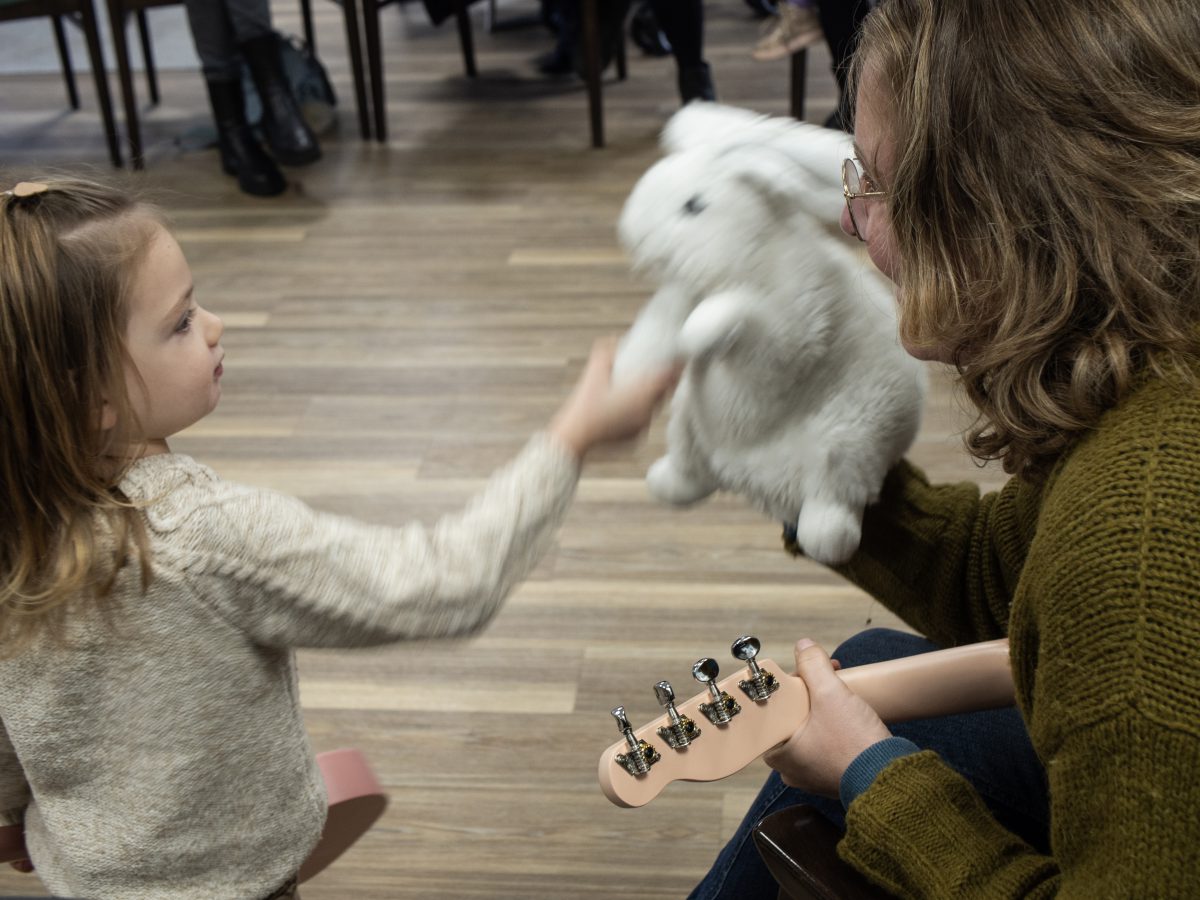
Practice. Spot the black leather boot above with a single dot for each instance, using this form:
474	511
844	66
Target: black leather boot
241	154
695	83
291	140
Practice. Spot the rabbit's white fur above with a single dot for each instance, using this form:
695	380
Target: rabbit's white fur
796	393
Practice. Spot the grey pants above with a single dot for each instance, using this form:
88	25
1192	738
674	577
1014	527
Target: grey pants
218	26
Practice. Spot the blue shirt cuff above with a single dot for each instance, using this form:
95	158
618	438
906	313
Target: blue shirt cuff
860	774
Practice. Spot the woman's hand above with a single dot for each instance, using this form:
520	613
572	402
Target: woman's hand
840	726
599	413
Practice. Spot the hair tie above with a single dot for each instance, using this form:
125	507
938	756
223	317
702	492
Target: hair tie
27	189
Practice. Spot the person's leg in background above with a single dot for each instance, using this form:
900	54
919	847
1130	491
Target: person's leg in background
796	26
291	141
990	749
225	33
841	21
682	22
220	61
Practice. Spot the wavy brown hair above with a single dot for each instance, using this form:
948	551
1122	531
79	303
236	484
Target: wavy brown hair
68	255
1045	203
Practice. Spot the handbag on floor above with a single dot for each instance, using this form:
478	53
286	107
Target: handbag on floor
309	81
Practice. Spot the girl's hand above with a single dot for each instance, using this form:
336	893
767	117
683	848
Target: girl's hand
597	413
840	726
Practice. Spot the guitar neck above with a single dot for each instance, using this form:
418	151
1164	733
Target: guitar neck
944	682
941	683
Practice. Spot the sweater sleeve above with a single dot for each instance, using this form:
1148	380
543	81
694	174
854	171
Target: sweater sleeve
14	789
1105	641
941	557
1125	825
290	576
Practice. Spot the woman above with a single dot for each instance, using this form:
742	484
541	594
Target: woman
1028	173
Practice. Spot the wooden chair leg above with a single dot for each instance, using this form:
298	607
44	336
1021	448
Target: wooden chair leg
370	13
91	34
354	44
148	56
64	58
799	72
622	59
116	21
465	38
591	70
310	35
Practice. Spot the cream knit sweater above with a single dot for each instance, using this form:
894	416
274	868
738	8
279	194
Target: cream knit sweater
161	753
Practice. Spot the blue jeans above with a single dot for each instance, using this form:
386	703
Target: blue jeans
990	749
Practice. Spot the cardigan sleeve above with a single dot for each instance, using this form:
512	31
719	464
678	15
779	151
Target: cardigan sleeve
290	576
941	557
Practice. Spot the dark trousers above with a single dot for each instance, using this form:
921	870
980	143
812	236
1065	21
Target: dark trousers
841	21
218	26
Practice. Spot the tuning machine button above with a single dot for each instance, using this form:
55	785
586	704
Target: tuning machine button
721	707
639	755
760	685
679	730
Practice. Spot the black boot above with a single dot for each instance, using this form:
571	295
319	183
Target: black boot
695	83
288	135
644	30
241	154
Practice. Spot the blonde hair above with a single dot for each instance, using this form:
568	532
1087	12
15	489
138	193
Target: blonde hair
68	256
1045	204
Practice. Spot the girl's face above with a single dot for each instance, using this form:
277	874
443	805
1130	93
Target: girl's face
174	344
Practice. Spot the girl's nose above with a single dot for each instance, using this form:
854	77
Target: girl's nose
213	328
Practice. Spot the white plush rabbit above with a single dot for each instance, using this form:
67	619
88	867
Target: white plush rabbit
796	393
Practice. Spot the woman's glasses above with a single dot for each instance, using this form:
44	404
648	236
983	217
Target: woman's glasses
857	188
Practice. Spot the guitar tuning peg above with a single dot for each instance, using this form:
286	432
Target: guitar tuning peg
640	756
760	685
679	730
721	707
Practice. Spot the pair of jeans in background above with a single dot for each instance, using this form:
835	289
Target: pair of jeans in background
990	749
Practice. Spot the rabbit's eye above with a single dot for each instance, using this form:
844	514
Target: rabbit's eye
694	206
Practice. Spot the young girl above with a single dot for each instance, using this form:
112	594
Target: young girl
1028	172
151	742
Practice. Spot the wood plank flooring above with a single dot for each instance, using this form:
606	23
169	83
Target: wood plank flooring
397	324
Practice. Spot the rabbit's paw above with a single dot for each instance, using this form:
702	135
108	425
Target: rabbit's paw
670	485
828	532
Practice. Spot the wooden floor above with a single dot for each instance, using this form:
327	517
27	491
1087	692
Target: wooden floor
397	324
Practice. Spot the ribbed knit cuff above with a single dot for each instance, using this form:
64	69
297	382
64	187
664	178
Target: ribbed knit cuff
860	774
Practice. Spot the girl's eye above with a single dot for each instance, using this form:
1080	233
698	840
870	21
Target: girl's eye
185	324
868	183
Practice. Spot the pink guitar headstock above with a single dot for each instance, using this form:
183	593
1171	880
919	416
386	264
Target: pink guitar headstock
714	734
726	727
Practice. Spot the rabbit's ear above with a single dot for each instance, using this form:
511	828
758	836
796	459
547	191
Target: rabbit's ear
787	186
708	124
819	150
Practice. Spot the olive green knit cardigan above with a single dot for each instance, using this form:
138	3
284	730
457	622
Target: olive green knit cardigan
1094	575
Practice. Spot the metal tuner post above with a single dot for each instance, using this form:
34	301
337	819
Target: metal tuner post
639	756
679	730
760	685
721	707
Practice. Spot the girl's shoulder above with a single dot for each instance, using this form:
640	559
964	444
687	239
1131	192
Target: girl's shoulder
173	489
